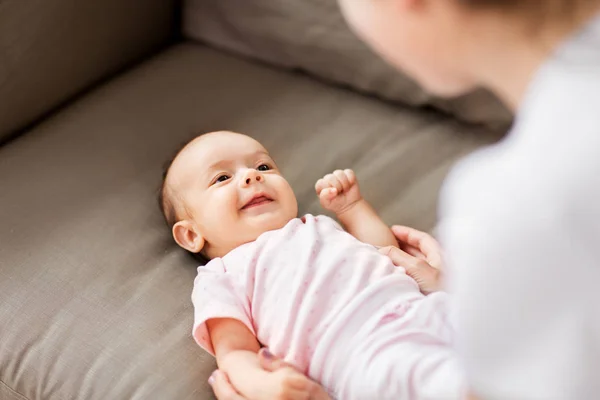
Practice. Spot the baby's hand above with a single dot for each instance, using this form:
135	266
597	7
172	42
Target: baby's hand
338	191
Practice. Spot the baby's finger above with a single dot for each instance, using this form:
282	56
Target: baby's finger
334	182
342	178
351	176
327	195
320	185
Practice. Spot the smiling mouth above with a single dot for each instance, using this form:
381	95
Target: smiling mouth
257	201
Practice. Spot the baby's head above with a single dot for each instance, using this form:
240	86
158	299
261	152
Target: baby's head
223	190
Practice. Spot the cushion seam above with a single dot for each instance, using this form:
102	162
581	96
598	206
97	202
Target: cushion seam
13	390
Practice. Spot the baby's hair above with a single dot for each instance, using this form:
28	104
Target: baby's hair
165	198
166	201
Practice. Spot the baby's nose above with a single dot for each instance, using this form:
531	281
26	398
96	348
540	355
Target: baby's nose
253	175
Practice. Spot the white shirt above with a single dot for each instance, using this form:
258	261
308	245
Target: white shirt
520	222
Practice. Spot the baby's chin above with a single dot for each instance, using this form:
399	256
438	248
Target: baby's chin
251	232
266	222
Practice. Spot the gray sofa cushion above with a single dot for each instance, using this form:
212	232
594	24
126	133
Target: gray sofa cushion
51	50
311	35
95	295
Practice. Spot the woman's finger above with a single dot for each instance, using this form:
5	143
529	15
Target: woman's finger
269	362
418	239
399	257
413	251
422	241
222	387
317	392
427	277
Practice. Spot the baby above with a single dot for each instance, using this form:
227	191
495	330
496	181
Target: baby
321	297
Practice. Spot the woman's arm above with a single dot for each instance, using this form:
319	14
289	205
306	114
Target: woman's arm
525	279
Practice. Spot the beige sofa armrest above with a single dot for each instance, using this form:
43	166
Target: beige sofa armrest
52	50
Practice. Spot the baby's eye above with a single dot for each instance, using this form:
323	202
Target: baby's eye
221	178
263	167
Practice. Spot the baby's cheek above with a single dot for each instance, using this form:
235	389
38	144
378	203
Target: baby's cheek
285	190
227	206
290	203
222	210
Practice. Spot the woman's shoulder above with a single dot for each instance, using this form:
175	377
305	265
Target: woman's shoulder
564	95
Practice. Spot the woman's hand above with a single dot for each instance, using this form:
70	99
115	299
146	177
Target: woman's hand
310	390
420	255
420	245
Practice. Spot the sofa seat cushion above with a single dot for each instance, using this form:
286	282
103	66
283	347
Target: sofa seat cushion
95	295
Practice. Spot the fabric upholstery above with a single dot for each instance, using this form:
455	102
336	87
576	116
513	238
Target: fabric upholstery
7	393
95	295
312	36
51	50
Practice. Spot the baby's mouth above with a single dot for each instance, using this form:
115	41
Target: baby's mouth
256	201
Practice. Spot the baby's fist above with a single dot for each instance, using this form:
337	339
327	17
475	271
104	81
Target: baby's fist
338	191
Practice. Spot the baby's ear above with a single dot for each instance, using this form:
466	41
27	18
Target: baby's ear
187	236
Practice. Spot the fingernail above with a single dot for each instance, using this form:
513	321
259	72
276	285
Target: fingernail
211	378
268	355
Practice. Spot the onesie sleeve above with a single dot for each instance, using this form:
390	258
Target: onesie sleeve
216	294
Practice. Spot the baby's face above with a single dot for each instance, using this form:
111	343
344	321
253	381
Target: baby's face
229	192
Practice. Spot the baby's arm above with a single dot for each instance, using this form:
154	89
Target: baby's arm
362	222
339	192
236	351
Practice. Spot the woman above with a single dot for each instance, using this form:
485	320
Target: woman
520	222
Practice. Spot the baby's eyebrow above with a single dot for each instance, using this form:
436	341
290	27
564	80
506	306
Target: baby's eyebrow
218	164
251	157
206	173
264	152
222	164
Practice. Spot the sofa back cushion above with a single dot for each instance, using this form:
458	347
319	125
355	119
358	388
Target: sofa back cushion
51	50
311	35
